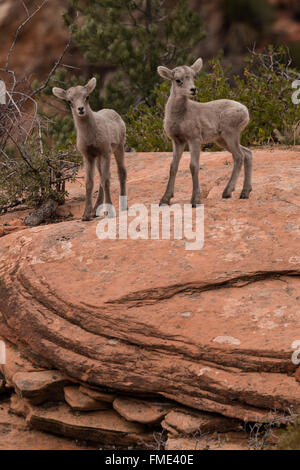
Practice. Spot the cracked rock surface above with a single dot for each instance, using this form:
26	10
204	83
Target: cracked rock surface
210	329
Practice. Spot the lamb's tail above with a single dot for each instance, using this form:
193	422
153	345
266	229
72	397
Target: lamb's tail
245	117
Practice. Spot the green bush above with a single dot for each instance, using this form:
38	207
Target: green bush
265	88
36	172
290	437
133	38
145	124
38	158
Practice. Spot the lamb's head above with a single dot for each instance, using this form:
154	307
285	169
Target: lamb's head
76	96
182	77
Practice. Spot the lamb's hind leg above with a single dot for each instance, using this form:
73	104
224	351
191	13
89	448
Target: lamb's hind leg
247	187
233	145
100	197
105	181
89	164
194	167
178	149
120	157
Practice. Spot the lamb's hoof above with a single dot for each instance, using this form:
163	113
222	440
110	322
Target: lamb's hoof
245	194
164	203
123	206
111	212
226	195
86	218
196	201
99	211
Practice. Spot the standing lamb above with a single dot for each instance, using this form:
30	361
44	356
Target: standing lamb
99	134
193	123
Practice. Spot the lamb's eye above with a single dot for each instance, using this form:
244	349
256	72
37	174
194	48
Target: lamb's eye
179	82
87	98
70	103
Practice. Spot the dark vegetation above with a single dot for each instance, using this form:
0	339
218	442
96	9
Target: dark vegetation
37	137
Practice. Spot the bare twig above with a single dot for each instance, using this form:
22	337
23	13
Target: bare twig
22	128
25	8
19	29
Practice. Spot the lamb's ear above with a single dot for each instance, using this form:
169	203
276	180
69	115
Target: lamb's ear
197	66
59	93
90	86
165	73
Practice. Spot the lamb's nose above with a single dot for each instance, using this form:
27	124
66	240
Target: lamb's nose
193	91
81	110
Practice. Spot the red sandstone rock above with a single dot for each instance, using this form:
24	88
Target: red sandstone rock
16	434
40	386
185	422
15	362
210	329
97	395
78	401
12	226
19	406
141	411
106	427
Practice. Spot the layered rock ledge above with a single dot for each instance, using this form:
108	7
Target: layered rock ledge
210	331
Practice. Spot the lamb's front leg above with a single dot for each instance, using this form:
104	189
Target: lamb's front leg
100	197
194	147
178	149
105	181
89	164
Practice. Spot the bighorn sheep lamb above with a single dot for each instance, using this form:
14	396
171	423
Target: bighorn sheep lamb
99	134
187	121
